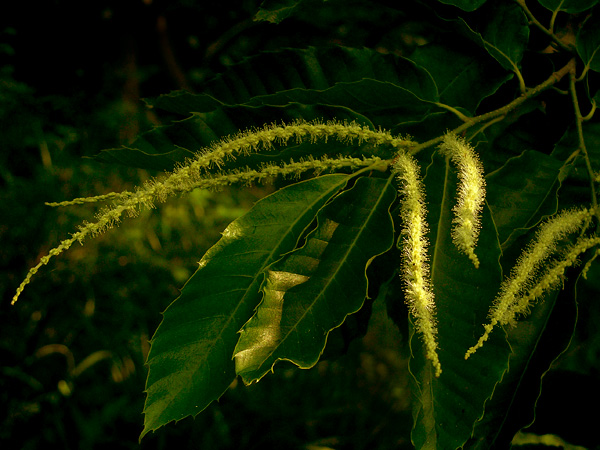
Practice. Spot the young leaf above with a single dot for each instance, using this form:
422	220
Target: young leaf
312	290
190	361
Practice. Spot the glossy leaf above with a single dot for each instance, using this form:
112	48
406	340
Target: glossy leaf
190	361
312	290
447	408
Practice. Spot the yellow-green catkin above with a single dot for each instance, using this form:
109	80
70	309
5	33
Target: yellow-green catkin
97	198
199	172
181	181
415	266
524	287
252	141
471	194
553	275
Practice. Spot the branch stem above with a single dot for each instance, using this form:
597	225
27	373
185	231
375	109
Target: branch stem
543	29
531	93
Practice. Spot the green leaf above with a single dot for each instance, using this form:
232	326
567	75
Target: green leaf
163	147
588	42
517	132
384	103
577	190
447	408
587	339
312	290
465	5
337	82
462	73
517	191
570	6
190	361
307	76
536	342
502	29
430	127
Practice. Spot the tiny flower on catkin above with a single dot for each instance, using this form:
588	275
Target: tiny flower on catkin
471	194
415	267
520	290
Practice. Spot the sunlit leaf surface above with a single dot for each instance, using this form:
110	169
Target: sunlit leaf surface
190	362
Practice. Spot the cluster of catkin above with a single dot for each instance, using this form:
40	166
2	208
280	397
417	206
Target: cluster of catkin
204	172
529	280
413	241
531	277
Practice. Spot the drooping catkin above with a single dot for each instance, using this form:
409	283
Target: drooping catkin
415	266
252	141
182	181
471	194
526	284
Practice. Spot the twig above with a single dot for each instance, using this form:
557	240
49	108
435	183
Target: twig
579	119
546	31
531	93
454	111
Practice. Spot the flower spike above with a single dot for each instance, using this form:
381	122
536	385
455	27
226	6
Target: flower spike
181	181
471	194
199	171
419	294
523	287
